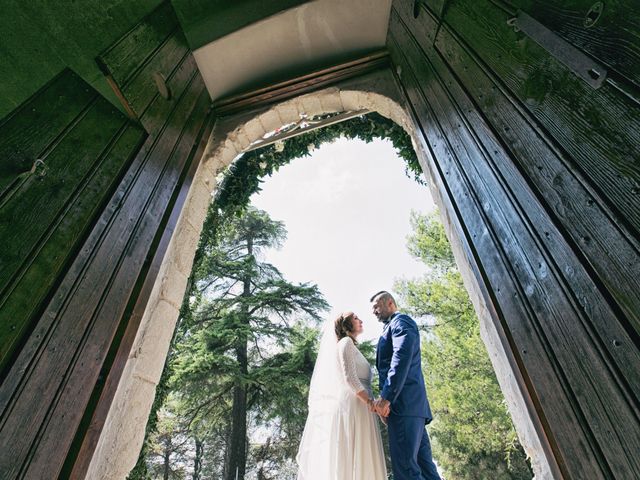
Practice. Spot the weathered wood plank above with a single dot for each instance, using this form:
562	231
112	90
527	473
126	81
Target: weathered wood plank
141	89
549	331
538	222
152	115
159	112
113	301
483	245
129	54
582	212
86	317
55	340
25	134
27	216
29	292
435	7
611	253
614	38
409	9
42	222
297	86
76	466
598	129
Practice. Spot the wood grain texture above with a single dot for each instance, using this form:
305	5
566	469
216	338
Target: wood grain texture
154	47
44	397
575	205
27	132
46	217
495	267
112	304
597	129
571	201
42	38
141	89
547	297
106	388
299	85
614	38
70	347
128	55
429	26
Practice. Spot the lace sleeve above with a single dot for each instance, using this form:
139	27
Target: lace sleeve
346	356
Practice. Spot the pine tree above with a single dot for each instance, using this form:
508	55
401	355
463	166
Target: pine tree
234	348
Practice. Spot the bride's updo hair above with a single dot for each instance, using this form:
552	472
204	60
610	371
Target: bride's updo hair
344	325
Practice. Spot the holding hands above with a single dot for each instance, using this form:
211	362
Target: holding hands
381	406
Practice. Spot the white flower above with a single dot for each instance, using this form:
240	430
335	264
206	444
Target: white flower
279	146
263	165
311	147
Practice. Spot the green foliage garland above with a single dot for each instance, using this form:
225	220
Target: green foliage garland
244	176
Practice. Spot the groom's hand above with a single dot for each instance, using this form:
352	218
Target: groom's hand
383	407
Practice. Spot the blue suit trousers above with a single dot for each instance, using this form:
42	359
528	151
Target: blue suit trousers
410	449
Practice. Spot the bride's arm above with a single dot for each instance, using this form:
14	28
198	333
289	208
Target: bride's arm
347	357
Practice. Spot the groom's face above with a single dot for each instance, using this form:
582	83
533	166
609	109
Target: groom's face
382	309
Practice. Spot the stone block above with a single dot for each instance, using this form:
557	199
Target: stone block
183	246
310	104
288	112
225	154
197	204
173	285
206	174
330	100
153	346
349	99
240	139
271	120
123	433
254	129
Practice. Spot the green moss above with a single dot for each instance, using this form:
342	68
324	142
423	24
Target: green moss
40	38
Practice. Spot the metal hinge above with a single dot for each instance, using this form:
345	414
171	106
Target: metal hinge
583	66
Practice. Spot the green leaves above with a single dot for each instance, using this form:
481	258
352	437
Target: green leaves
244	176
242	329
429	242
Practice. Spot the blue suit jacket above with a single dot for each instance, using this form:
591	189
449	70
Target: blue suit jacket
399	367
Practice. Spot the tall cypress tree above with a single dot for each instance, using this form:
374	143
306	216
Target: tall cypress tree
241	318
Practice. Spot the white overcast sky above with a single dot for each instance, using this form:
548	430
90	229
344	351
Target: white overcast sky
346	210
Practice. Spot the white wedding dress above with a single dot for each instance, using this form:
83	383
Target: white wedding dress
341	439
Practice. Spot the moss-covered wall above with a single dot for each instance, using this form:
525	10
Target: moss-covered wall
204	21
39	38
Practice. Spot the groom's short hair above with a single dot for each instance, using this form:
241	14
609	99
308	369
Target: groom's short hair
384	295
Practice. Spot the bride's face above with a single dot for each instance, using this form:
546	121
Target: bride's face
357	325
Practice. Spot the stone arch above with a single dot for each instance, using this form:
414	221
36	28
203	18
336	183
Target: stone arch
123	433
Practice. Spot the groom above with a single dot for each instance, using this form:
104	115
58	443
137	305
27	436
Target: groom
403	397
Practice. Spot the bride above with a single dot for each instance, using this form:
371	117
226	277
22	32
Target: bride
341	439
